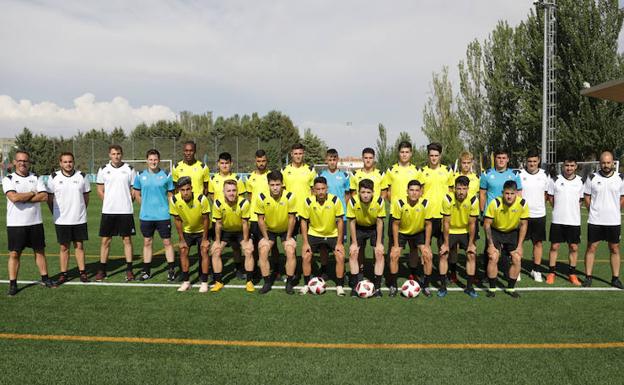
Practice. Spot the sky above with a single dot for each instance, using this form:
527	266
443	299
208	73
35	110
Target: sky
339	68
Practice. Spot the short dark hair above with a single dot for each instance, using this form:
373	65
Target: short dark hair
225	156
462	180
569	158
501	151
435	146
367	184
66	153
320	179
297	146
510	184
260	153
152	151
183	181
414	182
332	152
405	144
115	147
191	143
533	154
275	175
368	150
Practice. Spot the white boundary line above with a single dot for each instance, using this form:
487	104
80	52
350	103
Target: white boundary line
280	287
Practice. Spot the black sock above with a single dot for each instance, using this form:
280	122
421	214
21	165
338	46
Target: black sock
323	269
492	283
443	281
204	277
218	277
128	266
511	283
392	279
103	266
82	272
453	267
536	267
470	282
571	270
185	276
614	277
551	269
426	280
353	280
339	281
588	276
289	279
249	275
267	279
170	265
147	267
64	273
239	266
44	277
377	282
306	279
13	282
414	271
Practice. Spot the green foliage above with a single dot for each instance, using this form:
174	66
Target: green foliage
315	148
385	154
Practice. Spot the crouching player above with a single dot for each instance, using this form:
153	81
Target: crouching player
411	224
459	229
231	215
366	214
191	215
505	224
276	218
322	229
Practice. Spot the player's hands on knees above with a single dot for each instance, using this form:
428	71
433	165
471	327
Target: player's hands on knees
395	251
182	245
472	249
380	249
339	249
354	249
306	249
517	253
205	243
426	252
444	249
493	251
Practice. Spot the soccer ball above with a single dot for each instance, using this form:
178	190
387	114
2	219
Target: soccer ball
317	285
365	289
410	289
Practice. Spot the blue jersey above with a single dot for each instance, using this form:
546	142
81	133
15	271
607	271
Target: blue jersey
338	185
154	188
492	181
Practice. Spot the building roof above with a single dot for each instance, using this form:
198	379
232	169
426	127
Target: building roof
612	90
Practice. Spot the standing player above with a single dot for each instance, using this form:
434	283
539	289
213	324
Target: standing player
298	178
114	184
193	168
68	198
276	218
369	171
191	215
322	229
604	197
366	213
535	187
231	217
24	192
505	227
565	192
153	188
459	228
411	225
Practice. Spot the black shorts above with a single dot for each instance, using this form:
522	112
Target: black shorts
273	236
232	238
418	239
362	234
71	233
117	224
596	233
254	231
565	234
436	228
148	228
21	237
316	243
458	239
193	239
505	241
536	231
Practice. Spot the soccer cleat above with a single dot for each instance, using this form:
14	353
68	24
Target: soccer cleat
240	275
129	276
62	279
217	287
587	282
12	291
574	280
360	275
84	278
615	282
203	287
49	284
536	275
426	292
453	277
512	293
290	288
184	286
377	294
100	276
491	293
354	293
442	292
471	293
143	276
249	287
340	291
550	278
265	288
393	291
304	290
171	276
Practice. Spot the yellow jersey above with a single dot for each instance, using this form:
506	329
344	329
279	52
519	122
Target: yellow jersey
276	211
396	179
460	212
216	185
191	213
231	216
256	184
299	181
375	175
473	187
322	218
412	217
198	172
435	186
366	215
507	218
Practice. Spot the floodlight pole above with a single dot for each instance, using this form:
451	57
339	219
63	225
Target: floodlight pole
549	92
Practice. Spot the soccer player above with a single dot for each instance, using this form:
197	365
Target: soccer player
114	187
68	198
505	227
322	227
298	178
369	171
257	184
153	188
396	179
191	216
193	168
604	197
366	213
231	217
459	229
411	225
565	192
435	178
276	213
25	191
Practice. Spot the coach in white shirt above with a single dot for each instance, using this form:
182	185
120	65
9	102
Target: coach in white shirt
68	198
604	197
114	183
534	187
24	192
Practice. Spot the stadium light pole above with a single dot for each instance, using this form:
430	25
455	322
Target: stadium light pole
549	92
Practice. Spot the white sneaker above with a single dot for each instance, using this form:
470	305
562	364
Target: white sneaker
340	291
185	286
304	290
203	288
536	275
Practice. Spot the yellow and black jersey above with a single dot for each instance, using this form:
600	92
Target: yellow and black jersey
191	213
460	212
198	172
231	216
397	177
276	211
473	187
216	184
256	184
299	181
366	214
322	217
412	217
376	176
435	186
507	218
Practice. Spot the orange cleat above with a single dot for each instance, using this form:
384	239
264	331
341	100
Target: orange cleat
574	280
550	278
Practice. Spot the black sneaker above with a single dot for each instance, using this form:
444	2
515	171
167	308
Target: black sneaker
377	294
442	292
354	293
12	291
471	293
393	291
615	282
512	293
143	276
49	283
426	292
84	278
290	290
171	275
62	279
265	288
241	275
587	282
490	293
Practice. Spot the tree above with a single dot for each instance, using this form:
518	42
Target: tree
315	148
277	135
384	152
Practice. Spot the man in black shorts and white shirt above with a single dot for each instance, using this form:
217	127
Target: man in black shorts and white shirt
604	197
114	184
68	197
24	192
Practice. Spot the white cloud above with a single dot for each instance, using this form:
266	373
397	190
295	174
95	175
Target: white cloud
85	114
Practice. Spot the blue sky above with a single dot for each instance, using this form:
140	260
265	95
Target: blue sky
79	64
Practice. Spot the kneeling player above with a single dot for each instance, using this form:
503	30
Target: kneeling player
191	215
366	214
231	217
411	224
322	229
505	224
459	229
276	218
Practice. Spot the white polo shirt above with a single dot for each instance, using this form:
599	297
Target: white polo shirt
23	213
534	186
605	193
567	194
68	204
117	183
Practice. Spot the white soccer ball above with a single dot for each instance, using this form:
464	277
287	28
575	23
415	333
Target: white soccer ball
410	289
365	289
317	285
